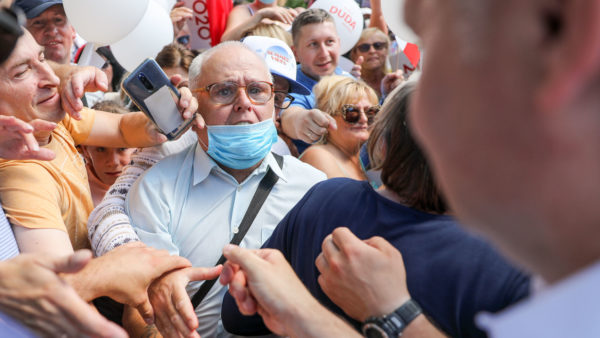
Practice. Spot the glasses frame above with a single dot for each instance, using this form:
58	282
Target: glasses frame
370	117
285	104
210	86
366	47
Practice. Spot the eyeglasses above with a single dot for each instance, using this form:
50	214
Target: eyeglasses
365	47
283	100
351	113
259	92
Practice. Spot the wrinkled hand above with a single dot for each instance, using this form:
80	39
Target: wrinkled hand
263	281
357	67
174	313
74	82
281	14
17	141
179	14
128	270
33	294
391	81
364	278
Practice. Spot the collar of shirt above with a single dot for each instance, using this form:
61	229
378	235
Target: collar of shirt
204	165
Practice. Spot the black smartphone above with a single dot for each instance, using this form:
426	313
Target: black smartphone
153	93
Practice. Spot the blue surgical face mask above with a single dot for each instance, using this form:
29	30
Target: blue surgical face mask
241	146
266	2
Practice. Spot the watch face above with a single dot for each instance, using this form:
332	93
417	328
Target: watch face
374	331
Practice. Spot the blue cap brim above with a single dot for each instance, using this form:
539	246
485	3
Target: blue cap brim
295	87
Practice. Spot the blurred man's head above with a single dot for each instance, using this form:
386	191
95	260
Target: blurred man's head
511	127
316	43
47	22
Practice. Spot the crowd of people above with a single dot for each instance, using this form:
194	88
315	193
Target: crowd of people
306	200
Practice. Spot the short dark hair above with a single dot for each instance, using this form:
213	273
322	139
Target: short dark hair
404	168
308	17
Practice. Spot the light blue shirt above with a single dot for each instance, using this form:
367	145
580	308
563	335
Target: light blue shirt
189	206
8	244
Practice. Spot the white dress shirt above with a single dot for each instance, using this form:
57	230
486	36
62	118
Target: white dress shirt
570	308
191	207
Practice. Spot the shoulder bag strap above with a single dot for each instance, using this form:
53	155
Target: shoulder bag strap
261	194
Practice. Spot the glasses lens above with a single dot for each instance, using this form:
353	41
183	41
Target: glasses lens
364	47
224	92
259	92
371	112
379	45
283	100
351	114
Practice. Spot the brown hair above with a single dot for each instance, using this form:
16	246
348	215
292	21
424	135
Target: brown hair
307	17
175	55
404	169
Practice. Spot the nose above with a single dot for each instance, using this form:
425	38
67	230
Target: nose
47	77
363	119
51	29
323	50
113	159
242	102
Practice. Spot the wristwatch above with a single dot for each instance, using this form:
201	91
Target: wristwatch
392	325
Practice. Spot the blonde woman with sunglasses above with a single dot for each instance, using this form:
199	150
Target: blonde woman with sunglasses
353	105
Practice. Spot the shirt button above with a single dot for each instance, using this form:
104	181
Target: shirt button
239	188
236	230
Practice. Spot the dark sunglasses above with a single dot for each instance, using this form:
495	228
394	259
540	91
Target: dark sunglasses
351	113
365	47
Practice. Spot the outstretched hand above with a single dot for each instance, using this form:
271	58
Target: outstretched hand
17	141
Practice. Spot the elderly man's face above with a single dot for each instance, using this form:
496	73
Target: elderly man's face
28	86
52	30
239	65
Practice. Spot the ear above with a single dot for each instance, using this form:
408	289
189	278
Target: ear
293	47
574	60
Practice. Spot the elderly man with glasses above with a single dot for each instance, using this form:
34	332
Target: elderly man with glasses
193	203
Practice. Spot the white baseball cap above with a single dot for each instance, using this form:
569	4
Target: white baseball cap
279	58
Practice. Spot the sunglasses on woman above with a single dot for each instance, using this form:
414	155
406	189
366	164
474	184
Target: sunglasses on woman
365	47
351	113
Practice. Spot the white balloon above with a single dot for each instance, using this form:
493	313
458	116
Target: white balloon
348	20
393	12
154	31
104	22
166	4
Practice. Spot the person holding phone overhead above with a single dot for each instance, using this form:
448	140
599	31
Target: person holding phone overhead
192	203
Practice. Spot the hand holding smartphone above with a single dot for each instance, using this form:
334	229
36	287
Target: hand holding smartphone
154	94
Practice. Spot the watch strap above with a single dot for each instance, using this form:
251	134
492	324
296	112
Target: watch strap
392	324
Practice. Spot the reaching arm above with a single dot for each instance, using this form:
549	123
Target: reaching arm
263	282
240	21
307	125
377	19
32	293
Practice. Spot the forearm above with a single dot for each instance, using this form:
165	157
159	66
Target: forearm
317	321
377	19
133	129
235	33
86	282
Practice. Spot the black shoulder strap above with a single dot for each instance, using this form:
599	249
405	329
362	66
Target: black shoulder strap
261	194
